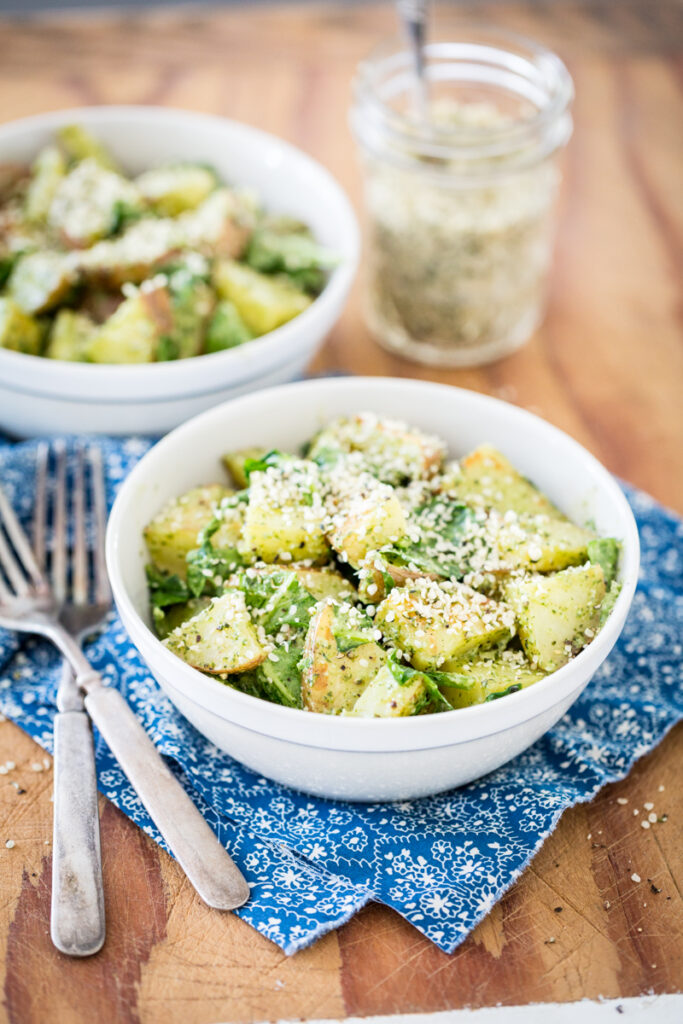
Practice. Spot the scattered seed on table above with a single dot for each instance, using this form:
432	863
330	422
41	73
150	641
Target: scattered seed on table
10	844
635	877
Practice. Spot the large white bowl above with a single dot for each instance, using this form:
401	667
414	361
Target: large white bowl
342	757
39	396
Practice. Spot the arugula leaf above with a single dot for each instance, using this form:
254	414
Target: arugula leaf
438	522
277	599
352	629
405	674
271	458
165	589
168	349
208	567
295	254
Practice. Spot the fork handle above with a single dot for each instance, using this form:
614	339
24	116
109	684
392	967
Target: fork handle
206	863
77	913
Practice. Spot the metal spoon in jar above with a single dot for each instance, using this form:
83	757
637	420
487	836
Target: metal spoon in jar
413	14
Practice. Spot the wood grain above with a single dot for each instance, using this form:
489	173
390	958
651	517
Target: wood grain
607	366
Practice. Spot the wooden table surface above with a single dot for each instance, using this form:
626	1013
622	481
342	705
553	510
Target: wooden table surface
607	366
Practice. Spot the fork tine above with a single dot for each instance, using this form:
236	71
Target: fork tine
102	589
16	534
11	566
79	568
40	509
59	525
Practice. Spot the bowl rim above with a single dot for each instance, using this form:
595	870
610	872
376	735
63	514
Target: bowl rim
76	381
372	735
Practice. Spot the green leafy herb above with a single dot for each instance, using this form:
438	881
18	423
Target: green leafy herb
296	254
406	674
503	693
443	527
165	589
209	567
226	328
260	465
168	349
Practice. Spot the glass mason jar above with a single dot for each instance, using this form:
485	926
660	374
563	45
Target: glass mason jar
461	202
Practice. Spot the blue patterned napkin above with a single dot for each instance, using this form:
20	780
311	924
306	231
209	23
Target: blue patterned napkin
441	862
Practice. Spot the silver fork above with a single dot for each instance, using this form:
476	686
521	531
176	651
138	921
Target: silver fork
27	604
77	922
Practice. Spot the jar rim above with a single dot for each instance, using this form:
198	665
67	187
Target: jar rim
497	58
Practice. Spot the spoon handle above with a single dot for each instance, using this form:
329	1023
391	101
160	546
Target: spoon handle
414	17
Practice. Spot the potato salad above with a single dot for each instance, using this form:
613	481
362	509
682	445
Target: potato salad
369	576
100	267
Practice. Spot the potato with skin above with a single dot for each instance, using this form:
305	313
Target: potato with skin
434	624
70	335
485	477
391	450
19	331
385	697
132	332
48	170
221	639
172	190
333	680
364	514
487	675
540	545
373	582
263	302
557	615
174	532
88	202
284	517
235	461
80	144
41	280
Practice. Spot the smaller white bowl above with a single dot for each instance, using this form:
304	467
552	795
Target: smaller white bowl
42	396
346	758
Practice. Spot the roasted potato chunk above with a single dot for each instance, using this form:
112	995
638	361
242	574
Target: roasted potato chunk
434	623
174	532
385	697
221	639
364	514
390	450
285	514
485	477
19	331
132	333
557	615
175	189
262	302
333	677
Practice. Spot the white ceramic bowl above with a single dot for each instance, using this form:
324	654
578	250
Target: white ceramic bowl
342	757
39	396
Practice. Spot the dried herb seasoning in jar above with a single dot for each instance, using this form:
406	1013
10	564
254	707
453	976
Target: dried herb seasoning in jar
461	205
